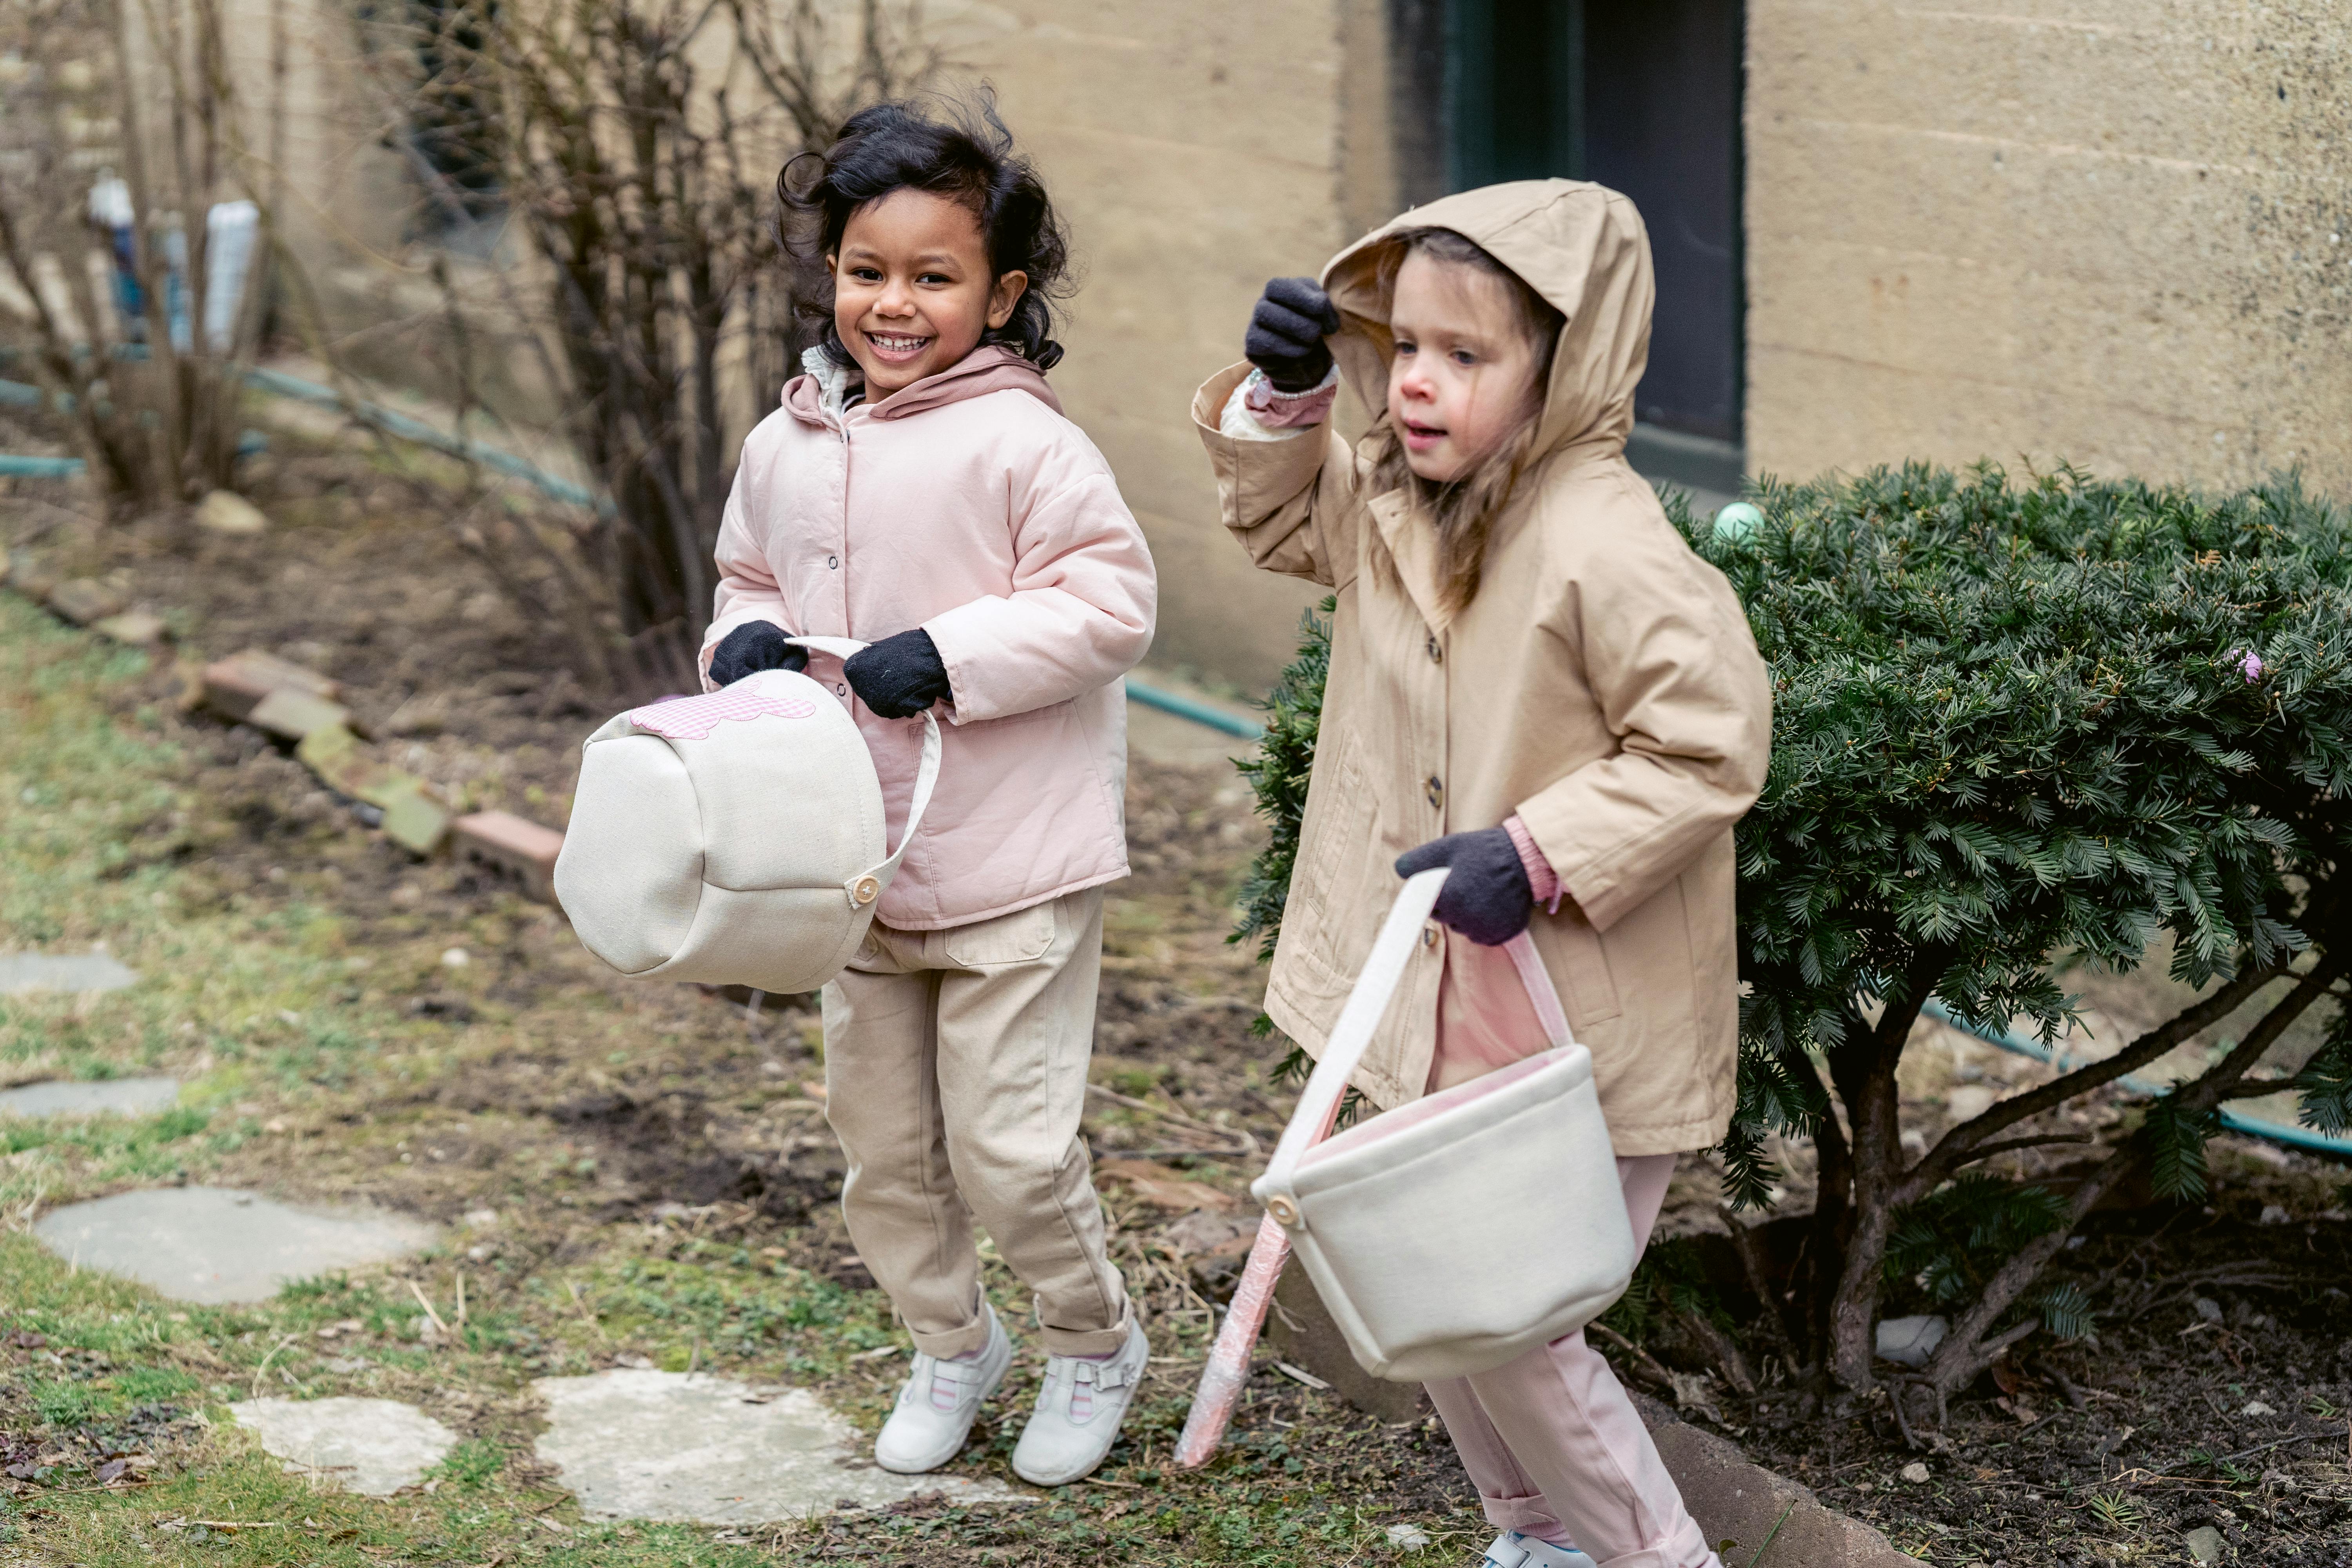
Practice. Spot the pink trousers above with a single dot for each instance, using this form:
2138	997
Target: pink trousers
1555	1448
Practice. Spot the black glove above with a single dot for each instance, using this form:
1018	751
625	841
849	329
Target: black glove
1286	332
1487	898
749	648
899	677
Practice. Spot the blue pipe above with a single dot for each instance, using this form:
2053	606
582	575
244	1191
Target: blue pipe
407	430
2248	1126
251	444
1199	712
13	465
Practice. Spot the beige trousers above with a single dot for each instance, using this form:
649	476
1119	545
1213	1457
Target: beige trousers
955	1075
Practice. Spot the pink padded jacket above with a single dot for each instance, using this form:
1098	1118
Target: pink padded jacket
967	505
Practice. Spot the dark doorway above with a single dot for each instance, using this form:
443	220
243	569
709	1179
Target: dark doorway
1643	96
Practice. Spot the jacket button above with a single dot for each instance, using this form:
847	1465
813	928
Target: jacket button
832	562
1428	934
1436	791
1437	654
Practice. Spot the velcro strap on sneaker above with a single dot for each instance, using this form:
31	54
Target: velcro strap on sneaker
1108	1373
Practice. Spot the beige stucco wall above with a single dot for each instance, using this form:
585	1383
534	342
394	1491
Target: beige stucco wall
1195	151
2116	232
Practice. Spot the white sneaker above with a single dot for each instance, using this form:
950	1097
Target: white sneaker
1512	1549
940	1401
1079	1411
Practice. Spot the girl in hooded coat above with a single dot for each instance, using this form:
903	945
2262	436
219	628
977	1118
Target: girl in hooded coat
1535	682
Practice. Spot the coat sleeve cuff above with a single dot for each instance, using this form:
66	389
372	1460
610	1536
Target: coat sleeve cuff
1258	411
1209	401
1541	879
1256	475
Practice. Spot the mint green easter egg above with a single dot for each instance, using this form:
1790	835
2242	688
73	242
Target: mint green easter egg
1736	521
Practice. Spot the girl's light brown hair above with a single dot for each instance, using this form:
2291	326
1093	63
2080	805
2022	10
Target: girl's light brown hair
1463	509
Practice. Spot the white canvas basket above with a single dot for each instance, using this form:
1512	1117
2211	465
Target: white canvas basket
1455	1233
736	838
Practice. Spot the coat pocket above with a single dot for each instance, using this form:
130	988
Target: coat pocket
1577	959
1021	937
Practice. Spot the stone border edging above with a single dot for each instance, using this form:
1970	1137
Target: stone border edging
297	706
1775	1522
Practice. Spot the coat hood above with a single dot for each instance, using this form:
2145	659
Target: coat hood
1578	245
992	367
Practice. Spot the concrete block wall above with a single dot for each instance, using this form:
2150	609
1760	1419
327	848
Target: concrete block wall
1195	151
2115	232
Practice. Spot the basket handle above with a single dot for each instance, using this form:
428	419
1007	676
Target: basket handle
867	885
1541	990
1368	1002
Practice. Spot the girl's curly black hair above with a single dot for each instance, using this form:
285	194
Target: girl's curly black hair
967	157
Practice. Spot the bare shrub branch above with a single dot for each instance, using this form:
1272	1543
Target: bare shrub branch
631	147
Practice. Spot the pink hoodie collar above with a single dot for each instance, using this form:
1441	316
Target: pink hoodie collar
992	367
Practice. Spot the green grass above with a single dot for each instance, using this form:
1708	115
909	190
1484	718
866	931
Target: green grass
133	1374
258	1005
199	1360
98	837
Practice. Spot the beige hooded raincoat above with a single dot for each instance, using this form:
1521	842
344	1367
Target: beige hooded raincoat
1602	684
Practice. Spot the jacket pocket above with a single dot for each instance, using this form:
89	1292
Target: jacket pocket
1021	937
1578	957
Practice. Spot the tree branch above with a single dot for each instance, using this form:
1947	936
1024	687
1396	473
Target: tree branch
1962	1357
2213	1086
1643	1360
1758	1268
1946	1155
1987	1151
1991	1350
1864	1072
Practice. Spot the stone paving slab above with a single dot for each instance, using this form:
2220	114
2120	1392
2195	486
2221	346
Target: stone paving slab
677	1447
212	1245
374	1446
109	1097
21	972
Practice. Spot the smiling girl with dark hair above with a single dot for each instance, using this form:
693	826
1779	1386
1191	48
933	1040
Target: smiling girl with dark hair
920	491
970	161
